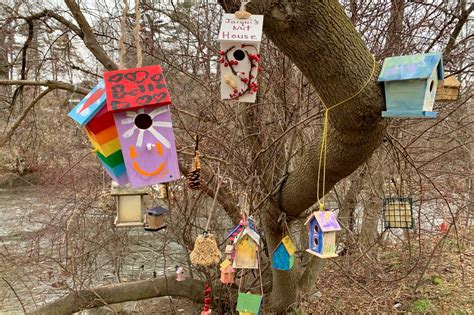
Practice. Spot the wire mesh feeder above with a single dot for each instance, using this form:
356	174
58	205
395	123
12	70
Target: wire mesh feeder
398	212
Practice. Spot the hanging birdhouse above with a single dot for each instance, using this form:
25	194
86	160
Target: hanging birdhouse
410	84
398	212
155	219
448	90
227	272
246	246
229	252
322	227
249	304
139	101
239	40
130	206
283	257
180	274
99	125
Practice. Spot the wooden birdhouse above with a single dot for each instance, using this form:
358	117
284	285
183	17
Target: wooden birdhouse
139	101
239	56
448	90
227	272
130	206
283	257
246	246
155	219
322	227
249	304
229	252
99	125
398	212
410	84
180	274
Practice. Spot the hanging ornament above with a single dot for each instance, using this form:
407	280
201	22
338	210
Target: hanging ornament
180	274
194	176
227	272
207	300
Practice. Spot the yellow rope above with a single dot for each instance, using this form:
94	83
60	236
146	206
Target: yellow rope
324	141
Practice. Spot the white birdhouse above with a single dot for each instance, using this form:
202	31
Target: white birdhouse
131	205
240	54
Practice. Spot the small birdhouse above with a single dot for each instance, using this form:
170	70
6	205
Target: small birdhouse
155	219
322	227
227	272
398	212
130	206
229	252
239	40
410	84
448	90
139	101
283	257
180	274
99	125
249	304
246	246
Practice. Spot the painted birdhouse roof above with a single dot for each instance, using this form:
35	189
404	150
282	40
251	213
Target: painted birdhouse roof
249	303
155	211
251	233
226	266
241	30
239	227
409	67
326	220
289	245
90	105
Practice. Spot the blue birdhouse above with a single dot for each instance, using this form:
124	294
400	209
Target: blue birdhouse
410	84
283	256
322	227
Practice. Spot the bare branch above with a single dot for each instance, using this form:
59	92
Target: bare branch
49	83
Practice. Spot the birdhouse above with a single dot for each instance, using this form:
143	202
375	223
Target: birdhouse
322	227
249	304
448	90
250	222
99	125
246	246
410	84
229	252
239	56
398	212
180	274
155	219
130	206
283	257
227	272
139	101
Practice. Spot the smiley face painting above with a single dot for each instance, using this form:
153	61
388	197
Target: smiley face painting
148	145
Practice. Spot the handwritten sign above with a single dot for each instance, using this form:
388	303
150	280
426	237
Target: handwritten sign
131	89
241	30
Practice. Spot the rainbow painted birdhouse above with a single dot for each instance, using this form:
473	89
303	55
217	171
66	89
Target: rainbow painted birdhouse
322	227
246	247
410	84
227	272
249	304
239	56
127	119
283	257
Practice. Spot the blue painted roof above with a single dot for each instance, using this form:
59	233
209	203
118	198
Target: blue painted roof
412	67
90	105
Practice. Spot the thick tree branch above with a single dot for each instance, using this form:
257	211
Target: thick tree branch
49	83
457	30
89	38
123	292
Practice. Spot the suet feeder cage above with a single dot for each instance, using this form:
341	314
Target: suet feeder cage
130	206
398	212
155	218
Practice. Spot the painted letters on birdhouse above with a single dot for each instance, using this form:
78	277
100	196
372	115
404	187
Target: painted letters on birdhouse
283	257
322	227
239	57
249	304
410	84
246	245
448	90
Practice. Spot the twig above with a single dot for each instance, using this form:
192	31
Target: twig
14	292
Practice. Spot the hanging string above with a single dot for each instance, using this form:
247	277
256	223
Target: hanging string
123	23
323	147
208	224
136	33
243	4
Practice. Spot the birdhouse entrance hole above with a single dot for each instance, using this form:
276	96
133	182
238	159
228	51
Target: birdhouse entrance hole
239	55
431	86
316	229
143	121
315	241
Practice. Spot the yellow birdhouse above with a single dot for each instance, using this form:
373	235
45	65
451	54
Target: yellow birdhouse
246	245
448	90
